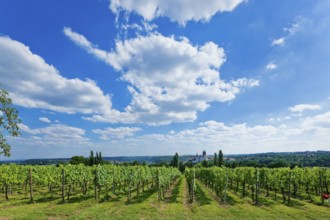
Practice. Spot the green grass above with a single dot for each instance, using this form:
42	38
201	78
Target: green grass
176	205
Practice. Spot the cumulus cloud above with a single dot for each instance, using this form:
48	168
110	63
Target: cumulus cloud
304	107
55	134
261	138
178	11
121	132
80	40
271	66
170	79
291	29
44	119
279	41
33	83
311	133
295	26
317	121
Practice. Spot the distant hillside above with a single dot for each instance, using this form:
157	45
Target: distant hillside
121	159
271	159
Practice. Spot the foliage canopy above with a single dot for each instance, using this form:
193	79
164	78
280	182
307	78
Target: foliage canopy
9	121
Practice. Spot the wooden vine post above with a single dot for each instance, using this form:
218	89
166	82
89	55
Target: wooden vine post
321	187
129	188
63	185
257	185
158	185
289	196
226	185
31	185
243	185
7	187
113	181
95	183
193	187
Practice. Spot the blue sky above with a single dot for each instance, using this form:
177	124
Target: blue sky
158	77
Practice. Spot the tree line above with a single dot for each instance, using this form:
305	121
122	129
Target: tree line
90	161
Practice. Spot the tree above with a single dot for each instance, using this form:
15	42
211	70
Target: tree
204	163
175	161
97	158
221	161
78	160
91	159
9	121
216	162
100	158
182	167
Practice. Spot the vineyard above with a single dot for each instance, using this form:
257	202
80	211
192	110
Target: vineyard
157	192
297	182
70	178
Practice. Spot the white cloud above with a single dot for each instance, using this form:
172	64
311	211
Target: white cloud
48	112
279	41
271	66
319	121
144	27
121	132
178	11
33	83
170	80
55	134
43	119
80	40
297	25
304	107
309	134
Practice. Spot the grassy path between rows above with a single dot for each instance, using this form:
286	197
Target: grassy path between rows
243	208
176	205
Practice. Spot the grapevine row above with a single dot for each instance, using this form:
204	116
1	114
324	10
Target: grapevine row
288	182
67	179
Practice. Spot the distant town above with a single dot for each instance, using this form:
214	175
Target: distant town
200	158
